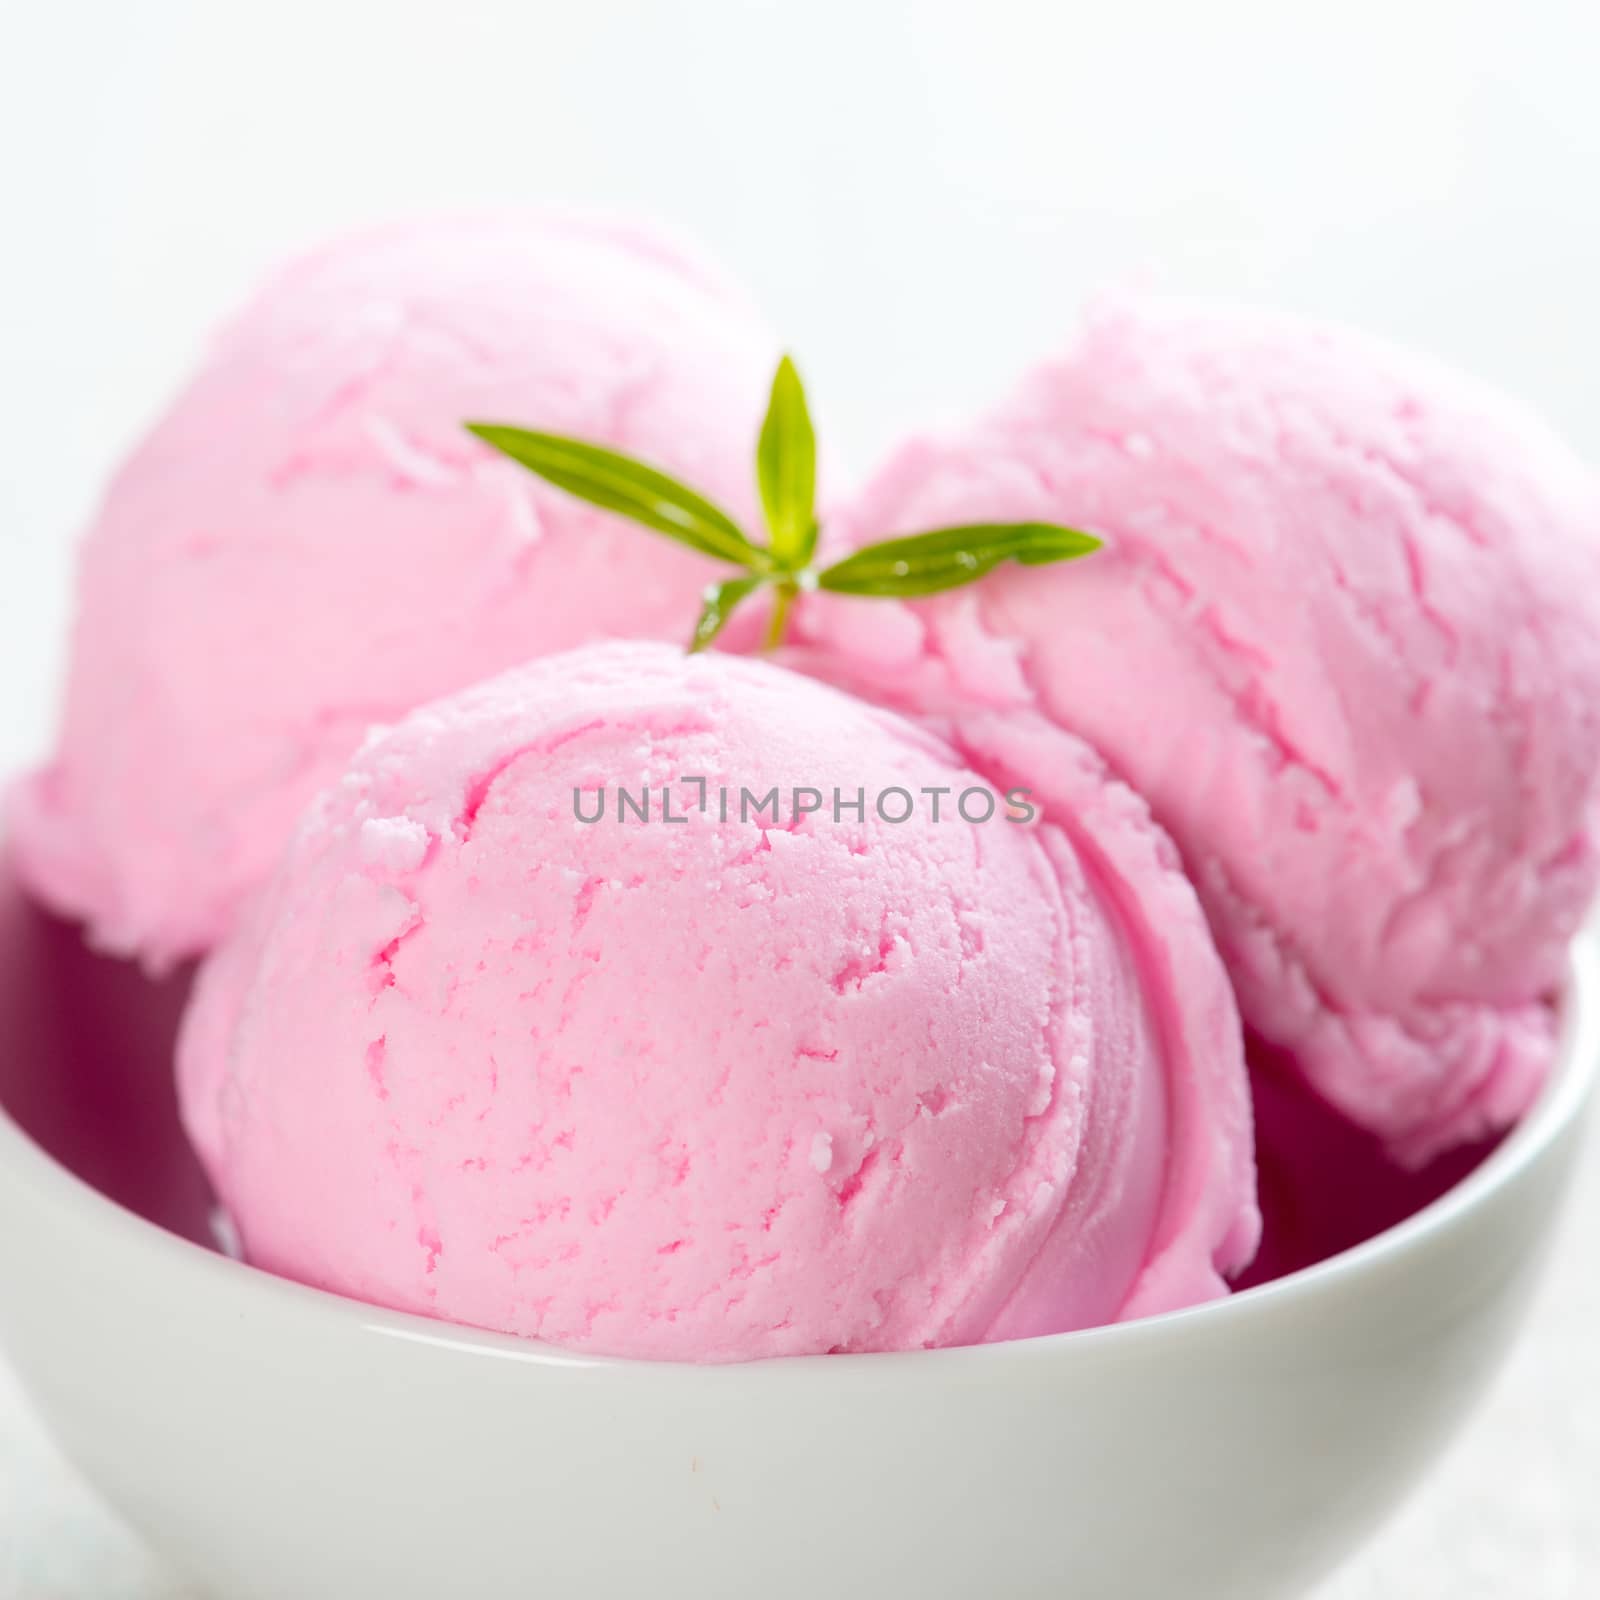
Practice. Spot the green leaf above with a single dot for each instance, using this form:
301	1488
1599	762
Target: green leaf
618	483
786	468
720	600
925	563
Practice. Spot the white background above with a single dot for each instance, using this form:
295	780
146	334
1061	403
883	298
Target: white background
922	193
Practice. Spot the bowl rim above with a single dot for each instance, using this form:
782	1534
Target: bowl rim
1560	1104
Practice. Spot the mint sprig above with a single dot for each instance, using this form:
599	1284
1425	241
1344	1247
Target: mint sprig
786	474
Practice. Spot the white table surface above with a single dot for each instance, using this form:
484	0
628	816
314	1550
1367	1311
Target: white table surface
1513	1513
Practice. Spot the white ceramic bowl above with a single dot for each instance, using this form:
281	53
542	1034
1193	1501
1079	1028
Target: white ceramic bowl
283	1444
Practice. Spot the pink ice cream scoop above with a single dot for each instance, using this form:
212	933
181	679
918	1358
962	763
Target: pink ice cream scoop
308	542
806	1079
1346	642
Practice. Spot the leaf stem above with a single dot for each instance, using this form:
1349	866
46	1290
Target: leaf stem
782	599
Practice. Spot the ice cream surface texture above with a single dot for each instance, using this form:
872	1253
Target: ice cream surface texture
714	1090
308	542
1345	640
